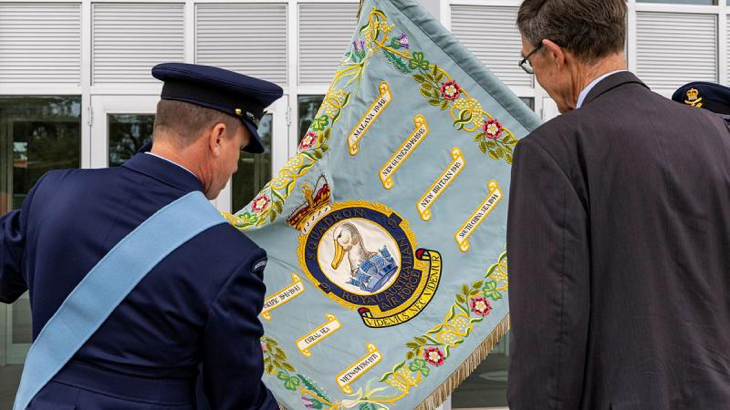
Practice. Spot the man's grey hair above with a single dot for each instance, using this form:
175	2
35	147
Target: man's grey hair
590	29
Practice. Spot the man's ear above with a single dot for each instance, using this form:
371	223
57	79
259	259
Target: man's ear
215	138
554	52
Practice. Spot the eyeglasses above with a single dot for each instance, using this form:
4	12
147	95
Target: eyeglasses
525	63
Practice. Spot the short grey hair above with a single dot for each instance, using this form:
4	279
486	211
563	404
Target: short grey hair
590	29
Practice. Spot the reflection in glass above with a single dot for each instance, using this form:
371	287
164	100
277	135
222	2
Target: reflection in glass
308	106
37	134
254	170
22	324
128	133
487	385
529	101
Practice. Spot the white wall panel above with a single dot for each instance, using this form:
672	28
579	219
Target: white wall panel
247	38
674	49
128	39
40	43
490	32
325	31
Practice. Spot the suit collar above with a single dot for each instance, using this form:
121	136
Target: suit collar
164	171
611	82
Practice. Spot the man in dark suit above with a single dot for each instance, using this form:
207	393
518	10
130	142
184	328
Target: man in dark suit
618	231
200	304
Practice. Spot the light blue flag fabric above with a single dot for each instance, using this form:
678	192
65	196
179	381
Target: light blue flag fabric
387	275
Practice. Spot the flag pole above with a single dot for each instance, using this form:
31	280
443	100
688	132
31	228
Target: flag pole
359	9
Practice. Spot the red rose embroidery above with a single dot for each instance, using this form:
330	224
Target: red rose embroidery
492	128
450	90
308	141
260	203
480	306
434	356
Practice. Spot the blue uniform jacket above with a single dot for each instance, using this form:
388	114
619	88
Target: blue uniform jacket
199	305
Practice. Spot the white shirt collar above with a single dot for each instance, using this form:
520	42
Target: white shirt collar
172	162
584	93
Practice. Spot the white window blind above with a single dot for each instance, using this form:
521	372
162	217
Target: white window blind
128	39
325	31
673	49
40	43
247	38
490	32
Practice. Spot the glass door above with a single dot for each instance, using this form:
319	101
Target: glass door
120	126
37	134
255	171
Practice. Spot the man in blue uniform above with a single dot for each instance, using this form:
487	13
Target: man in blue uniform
710	96
199	304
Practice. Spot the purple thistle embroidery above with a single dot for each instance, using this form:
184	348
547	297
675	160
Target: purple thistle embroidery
308	403
359	45
403	40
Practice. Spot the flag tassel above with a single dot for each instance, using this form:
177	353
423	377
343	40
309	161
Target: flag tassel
470	364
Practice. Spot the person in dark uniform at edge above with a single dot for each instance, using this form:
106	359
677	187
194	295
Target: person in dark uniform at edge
198	305
618	231
710	96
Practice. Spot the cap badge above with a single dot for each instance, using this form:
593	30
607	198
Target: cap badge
253	119
693	98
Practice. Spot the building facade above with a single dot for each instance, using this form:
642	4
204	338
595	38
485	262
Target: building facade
76	90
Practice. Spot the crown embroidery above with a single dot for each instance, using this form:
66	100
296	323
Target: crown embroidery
317	205
693	98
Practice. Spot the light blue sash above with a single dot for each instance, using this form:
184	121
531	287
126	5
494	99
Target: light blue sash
107	284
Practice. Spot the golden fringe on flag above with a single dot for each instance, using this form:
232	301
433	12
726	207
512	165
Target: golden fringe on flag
462	372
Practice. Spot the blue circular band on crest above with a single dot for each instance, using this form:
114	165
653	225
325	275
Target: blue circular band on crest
408	278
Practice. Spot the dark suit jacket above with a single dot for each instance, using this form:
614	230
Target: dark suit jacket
200	304
619	253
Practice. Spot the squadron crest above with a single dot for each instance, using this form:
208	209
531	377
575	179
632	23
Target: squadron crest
363	255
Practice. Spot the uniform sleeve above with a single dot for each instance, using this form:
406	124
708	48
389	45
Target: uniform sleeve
12	242
12	246
232	358
549	300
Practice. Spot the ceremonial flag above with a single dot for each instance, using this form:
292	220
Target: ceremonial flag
387	273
